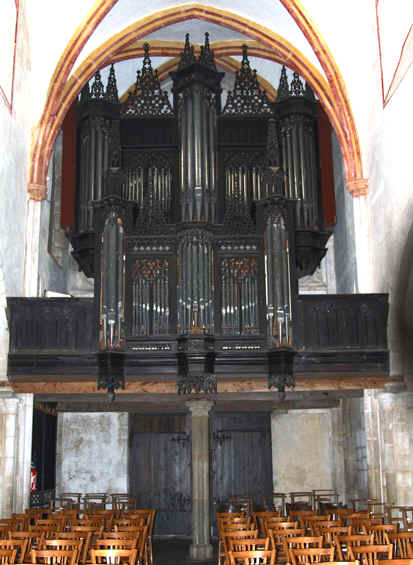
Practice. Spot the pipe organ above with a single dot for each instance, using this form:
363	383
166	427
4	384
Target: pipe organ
222	207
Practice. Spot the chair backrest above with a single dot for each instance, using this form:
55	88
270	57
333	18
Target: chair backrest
304	541
121	522
259	517
273	522
252	557
53	556
278	536
311	555
26	520
7	556
402	544
381	532
234	527
329	534
94	530
318	527
110	543
368	554
248	544
63	544
20	545
113	556
342	542
397	561
33	540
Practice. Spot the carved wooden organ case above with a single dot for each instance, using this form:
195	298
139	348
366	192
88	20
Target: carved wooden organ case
196	220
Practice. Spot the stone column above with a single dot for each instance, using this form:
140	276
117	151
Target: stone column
390	444
16	420
201	548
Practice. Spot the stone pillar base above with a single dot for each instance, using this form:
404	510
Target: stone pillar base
201	552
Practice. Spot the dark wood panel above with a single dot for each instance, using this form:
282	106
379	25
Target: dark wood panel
241	460
160	470
341	321
59	324
44	448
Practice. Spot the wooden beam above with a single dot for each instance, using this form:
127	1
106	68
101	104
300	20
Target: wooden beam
77	385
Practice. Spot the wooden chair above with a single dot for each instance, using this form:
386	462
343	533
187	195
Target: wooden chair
33	538
123	502
149	515
119	524
54	524
64	545
226	535
363	525
53	557
302	542
252	557
4	532
113	556
330	532
368	554
107	515
137	535
279	539
12	523
94	501
26	519
84	537
309	521
74	497
259	517
343	542
7	556
110	543
244	520
381	532
397	561
311	555
20	545
232	533
248	544
402	544
93	529
318	527
90	521
275	522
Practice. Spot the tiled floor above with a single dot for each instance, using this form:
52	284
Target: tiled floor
174	552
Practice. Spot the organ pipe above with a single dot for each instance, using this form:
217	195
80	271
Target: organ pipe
278	280
112	285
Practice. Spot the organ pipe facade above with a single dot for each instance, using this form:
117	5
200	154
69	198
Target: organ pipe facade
215	200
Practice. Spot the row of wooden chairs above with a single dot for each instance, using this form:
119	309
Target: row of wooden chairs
102	525
69	557
236	528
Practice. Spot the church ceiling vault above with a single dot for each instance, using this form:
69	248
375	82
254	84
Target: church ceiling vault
71	73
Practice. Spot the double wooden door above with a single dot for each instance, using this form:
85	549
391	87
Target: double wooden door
160	464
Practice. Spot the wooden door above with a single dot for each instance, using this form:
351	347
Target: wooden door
160	470
241	459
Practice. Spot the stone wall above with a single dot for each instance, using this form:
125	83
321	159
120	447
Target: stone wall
344	236
352	423
305	450
92	452
389	445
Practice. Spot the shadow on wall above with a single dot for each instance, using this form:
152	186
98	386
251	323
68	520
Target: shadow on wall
402	298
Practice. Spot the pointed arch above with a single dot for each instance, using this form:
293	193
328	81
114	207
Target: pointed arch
62	91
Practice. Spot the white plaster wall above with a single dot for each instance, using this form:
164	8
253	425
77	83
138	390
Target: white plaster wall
303	446
92	452
14	161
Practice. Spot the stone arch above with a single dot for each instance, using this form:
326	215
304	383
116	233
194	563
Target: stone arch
61	93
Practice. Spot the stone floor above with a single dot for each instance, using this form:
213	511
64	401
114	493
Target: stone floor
174	552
